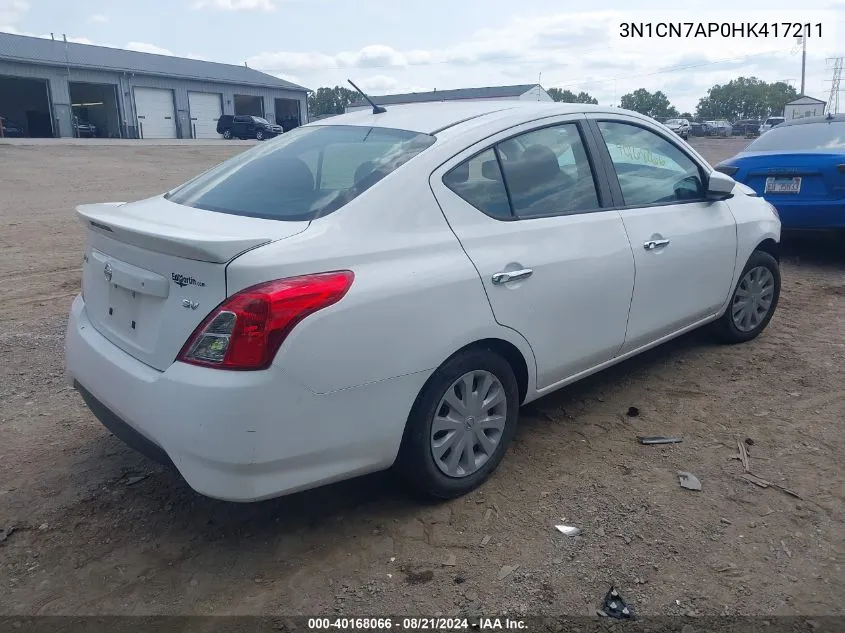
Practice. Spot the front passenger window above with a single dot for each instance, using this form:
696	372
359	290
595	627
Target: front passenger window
650	169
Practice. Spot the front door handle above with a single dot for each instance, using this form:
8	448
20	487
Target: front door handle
514	275
655	244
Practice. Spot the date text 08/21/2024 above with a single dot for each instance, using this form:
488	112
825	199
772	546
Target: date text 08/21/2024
719	29
414	624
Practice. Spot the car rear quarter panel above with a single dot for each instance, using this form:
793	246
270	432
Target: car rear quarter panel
416	298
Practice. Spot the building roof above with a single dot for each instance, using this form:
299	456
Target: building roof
38	50
805	99
490	92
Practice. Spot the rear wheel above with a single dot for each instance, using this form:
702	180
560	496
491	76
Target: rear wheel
461	425
753	301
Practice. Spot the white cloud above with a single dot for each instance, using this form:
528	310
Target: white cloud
237	5
99	18
11	12
143	47
578	51
197	57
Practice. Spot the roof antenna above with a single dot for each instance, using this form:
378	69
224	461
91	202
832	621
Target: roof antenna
376	108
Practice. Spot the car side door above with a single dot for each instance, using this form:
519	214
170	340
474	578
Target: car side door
239	126
684	244
528	208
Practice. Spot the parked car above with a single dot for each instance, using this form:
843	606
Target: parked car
697	128
719	128
387	289
11	129
681	127
798	167
746	128
772	121
244	127
84	129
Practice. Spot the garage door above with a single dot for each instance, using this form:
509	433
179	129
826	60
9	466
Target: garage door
205	109
156	115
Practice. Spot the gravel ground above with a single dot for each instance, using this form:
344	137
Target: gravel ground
101	530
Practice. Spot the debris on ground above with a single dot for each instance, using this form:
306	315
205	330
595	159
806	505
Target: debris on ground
633	412
507	570
764	483
43	527
726	521
569	530
485	540
658	439
749	441
615	607
743	456
7	532
689	481
451	561
134	480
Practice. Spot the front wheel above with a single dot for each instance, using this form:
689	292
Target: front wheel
753	301
259	135
461	424
227	134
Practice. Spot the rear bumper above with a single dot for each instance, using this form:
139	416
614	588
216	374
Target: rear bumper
811	215
238	436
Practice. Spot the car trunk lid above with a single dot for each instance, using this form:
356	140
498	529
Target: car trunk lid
815	175
154	269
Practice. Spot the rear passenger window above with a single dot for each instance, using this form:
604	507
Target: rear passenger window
479	182
549	173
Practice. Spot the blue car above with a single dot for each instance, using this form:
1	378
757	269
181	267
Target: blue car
798	167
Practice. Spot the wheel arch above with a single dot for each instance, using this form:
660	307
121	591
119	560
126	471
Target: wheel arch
769	246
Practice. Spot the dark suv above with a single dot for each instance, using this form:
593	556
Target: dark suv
10	128
240	126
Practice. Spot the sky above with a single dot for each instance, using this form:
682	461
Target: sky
393	46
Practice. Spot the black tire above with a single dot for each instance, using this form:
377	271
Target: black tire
415	461
227	134
259	135
725	327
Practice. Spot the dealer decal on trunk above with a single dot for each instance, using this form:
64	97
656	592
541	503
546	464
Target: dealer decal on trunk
182	280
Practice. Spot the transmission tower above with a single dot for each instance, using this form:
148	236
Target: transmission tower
833	98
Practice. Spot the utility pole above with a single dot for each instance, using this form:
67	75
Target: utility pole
803	39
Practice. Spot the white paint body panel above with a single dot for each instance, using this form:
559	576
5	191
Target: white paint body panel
156	112
335	400
205	110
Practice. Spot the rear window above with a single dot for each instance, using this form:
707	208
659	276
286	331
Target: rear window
808	136
303	174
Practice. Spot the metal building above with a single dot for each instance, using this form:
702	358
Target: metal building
52	88
523	92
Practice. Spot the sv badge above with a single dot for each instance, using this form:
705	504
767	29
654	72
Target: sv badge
193	305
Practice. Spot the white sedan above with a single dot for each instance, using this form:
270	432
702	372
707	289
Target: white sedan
386	289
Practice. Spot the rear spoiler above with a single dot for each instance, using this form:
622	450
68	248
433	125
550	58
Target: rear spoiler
160	226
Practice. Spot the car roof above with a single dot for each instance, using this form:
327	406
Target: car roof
832	118
430	118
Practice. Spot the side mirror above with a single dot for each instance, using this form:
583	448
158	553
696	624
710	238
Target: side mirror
719	186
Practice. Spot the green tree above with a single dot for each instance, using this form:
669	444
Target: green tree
330	100
653	104
745	98
686	115
567	96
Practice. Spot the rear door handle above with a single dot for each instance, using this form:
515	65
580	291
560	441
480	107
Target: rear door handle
514	275
655	244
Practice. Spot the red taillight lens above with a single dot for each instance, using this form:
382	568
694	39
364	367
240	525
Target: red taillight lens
247	329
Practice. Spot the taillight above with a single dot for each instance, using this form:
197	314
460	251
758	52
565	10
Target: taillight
841	169
247	329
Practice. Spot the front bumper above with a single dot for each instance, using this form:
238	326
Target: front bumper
238	436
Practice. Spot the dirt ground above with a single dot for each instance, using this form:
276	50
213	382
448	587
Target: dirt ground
101	530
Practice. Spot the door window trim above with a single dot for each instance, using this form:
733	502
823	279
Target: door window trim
610	168
604	191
